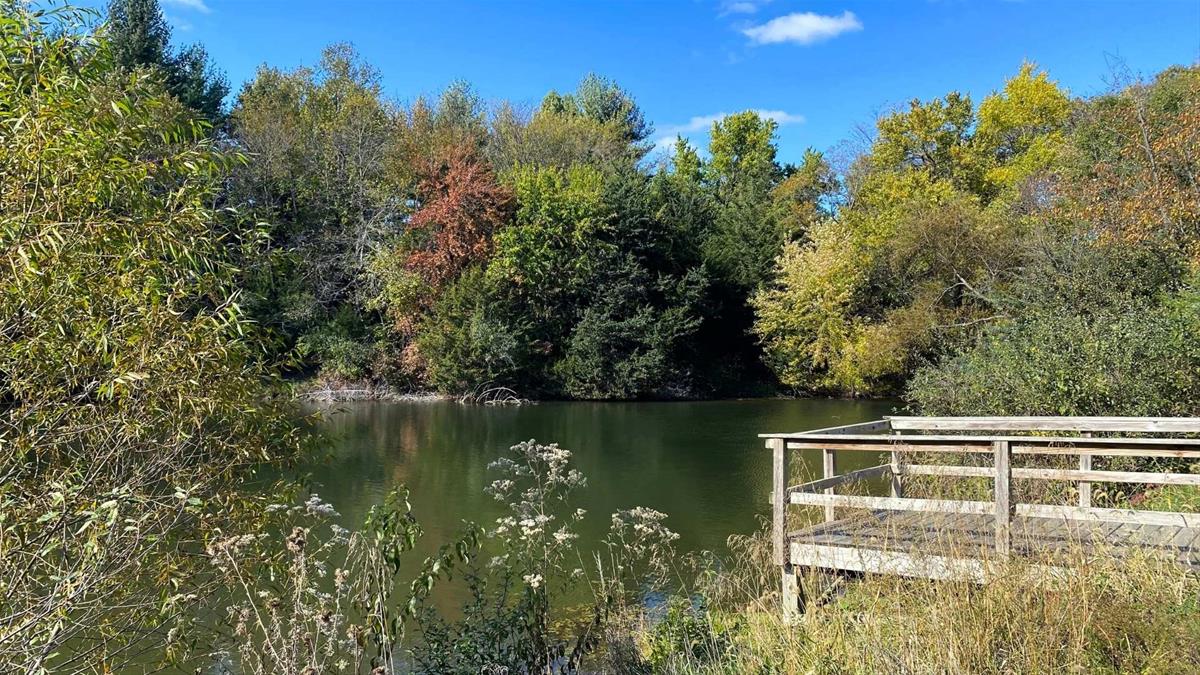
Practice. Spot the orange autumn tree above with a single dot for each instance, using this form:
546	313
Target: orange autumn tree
460	207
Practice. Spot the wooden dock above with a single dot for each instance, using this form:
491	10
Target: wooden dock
947	538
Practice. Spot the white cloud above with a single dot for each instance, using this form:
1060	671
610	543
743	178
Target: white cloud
197	5
742	6
704	122
803	27
666	144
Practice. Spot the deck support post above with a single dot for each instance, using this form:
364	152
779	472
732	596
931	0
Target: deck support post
792	593
1004	503
830	470
779	499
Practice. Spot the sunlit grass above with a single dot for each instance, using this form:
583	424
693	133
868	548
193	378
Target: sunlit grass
1095	614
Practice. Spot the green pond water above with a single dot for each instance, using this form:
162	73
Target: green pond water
699	462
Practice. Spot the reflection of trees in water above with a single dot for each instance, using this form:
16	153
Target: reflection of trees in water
700	462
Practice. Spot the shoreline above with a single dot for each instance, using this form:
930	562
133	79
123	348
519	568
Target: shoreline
314	391
311	392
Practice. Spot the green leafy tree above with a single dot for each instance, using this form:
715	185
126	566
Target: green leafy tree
602	100
133	392
321	139
1101	319
741	172
934	221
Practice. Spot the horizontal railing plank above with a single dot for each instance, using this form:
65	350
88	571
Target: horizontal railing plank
898	563
1094	514
1178	448
885	446
1080	513
893	503
851	476
1052	474
1114	424
918	439
1109	476
859	427
1135	450
946	470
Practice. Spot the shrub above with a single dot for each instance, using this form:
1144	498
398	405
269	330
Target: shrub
132	387
521	617
468	339
1097	331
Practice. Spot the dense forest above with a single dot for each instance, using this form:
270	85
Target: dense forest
447	244
450	244
173	253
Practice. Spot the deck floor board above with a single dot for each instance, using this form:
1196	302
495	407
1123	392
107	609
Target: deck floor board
969	535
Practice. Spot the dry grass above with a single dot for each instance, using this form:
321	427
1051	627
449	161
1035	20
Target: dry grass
1140	614
1096	613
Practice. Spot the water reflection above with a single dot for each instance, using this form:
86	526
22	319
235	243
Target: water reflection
700	462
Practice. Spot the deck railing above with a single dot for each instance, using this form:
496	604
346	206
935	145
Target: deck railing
1001	438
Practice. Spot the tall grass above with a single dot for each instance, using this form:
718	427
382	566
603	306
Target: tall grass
1137	614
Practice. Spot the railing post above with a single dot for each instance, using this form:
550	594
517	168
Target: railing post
792	593
779	498
830	470
1003	492
1085	487
897	486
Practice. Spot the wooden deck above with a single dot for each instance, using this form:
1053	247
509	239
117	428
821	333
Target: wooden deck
920	544
953	538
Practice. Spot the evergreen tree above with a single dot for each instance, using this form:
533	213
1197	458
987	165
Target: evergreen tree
140	37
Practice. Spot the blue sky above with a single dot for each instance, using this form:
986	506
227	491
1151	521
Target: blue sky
821	68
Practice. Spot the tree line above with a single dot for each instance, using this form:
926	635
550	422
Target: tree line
448	244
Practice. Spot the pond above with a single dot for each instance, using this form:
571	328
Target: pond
699	462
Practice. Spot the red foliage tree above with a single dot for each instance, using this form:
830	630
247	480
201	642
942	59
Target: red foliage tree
462	206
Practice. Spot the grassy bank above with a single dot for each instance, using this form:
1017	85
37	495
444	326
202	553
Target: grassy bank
1096	615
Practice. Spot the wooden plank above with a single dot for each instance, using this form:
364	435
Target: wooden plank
1094	514
893	503
1056	474
779	477
859	427
1003	492
947	470
1023	447
1115	424
830	470
887	562
1134	449
915	439
1085	487
834	481
1110	476
1159	536
793	595
897	486
1185	538
890	445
